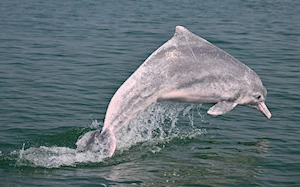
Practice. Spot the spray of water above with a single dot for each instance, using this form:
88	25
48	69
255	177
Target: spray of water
157	124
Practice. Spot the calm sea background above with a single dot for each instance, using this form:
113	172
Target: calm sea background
62	61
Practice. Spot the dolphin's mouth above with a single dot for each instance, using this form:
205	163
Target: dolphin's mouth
264	109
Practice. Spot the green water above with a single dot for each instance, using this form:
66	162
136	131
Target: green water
61	62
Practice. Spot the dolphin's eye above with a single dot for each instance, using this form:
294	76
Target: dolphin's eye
258	97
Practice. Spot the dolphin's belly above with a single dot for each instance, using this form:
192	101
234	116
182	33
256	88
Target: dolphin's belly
189	97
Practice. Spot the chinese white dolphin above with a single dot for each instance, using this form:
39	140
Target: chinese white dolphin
186	68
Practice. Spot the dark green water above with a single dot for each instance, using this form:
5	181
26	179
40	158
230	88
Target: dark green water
61	62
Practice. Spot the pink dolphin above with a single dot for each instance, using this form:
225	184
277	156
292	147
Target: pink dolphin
186	68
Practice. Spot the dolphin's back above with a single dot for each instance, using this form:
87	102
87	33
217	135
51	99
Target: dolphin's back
188	54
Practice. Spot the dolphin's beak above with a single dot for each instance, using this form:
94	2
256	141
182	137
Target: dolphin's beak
264	109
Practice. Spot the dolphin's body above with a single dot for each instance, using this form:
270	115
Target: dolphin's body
186	68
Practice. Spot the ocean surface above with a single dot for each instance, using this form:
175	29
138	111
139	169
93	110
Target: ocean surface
62	61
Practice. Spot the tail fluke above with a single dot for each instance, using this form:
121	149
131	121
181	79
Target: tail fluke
102	142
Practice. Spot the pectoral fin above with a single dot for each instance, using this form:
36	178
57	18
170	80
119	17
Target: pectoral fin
221	107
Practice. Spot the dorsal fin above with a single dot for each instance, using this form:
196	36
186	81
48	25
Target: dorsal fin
182	31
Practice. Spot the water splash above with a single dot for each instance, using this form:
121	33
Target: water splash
157	124
54	157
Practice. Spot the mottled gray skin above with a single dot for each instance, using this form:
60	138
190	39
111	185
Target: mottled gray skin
187	68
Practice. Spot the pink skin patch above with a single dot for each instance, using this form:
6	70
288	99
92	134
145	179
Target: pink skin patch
264	109
113	143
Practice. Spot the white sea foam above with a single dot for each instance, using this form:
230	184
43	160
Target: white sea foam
53	157
156	124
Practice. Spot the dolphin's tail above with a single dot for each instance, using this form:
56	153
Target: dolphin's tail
100	141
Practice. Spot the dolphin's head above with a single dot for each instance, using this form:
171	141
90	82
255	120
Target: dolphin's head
255	96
